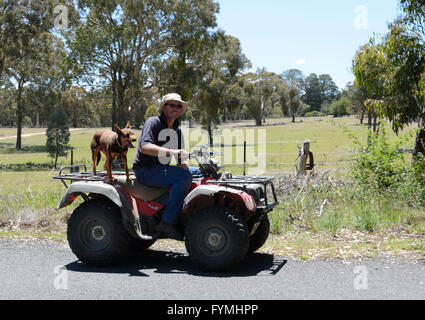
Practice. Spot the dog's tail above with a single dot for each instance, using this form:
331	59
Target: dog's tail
94	144
98	157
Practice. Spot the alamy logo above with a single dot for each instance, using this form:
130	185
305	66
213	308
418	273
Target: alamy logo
361	278
361	20
61	280
61	17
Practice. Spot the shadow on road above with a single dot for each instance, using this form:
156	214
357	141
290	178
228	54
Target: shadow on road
164	262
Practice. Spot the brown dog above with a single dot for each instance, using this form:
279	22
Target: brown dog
112	144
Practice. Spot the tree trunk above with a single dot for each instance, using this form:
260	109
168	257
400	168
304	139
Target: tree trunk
369	119
420	140
19	115
260	118
362	117
114	101
210	134
375	124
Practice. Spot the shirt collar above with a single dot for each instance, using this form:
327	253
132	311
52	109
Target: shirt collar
164	121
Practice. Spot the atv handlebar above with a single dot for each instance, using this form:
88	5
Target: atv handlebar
204	152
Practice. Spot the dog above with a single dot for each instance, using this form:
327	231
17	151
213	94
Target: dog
112	144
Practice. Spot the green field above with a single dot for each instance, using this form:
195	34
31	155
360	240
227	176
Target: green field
318	218
330	144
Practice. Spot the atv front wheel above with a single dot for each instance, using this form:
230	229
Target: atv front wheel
260	236
216	238
96	234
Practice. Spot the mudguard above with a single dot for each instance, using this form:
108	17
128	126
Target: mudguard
130	218
211	190
77	188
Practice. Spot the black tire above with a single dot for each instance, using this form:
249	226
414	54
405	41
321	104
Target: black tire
259	238
96	234
137	245
216	238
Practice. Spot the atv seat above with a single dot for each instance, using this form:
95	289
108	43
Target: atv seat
139	190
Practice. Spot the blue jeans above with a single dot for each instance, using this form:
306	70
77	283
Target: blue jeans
179	180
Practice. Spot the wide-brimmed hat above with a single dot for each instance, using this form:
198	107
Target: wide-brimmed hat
173	97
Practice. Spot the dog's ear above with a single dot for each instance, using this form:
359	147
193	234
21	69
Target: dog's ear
117	129
128	125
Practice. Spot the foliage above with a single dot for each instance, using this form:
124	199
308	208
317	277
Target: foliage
340	107
380	166
58	135
151	111
314	114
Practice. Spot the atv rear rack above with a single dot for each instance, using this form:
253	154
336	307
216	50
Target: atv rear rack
75	174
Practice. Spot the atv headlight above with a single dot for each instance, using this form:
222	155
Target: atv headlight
215	164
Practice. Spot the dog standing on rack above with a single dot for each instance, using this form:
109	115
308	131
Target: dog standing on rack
112	144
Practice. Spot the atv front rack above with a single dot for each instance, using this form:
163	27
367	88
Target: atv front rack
73	173
243	181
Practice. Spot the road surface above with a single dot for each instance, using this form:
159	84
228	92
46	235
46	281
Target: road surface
36	269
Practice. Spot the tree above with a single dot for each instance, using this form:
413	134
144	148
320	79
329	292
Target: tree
120	40
328	89
258	88
58	135
231	61
398	75
405	81
369	68
357	96
312	92
290	100
25	40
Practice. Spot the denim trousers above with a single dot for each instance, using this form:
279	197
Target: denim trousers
163	176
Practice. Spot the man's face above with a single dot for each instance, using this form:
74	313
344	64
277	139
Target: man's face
172	109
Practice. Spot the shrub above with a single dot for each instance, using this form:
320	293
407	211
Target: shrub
380	166
340	107
314	114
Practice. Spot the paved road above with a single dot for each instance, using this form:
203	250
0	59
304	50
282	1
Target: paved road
34	269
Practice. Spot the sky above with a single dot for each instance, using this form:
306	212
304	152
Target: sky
314	36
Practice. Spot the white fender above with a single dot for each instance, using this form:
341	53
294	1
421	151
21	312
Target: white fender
89	187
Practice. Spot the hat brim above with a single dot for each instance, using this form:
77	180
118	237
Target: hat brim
184	104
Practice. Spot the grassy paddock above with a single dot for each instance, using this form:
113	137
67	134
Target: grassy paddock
326	218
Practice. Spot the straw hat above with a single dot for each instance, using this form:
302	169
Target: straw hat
173	97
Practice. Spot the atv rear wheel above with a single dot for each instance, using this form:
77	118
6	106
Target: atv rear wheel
96	234
216	238
259	238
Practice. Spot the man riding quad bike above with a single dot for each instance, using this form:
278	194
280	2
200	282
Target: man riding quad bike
223	217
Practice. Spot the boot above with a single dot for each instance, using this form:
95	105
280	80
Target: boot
169	231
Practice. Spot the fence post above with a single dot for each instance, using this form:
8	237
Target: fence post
304	155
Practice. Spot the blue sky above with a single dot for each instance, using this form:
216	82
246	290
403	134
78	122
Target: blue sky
315	36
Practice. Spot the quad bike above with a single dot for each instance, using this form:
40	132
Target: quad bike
223	217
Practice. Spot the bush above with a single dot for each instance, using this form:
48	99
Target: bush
379	166
314	114
340	107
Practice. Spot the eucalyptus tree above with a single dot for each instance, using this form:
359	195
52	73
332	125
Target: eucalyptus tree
258	88
25	47
370	69
290	100
119	41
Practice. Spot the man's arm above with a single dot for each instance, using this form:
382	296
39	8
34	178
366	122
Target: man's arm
156	151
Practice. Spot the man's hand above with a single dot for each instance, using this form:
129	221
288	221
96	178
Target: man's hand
181	154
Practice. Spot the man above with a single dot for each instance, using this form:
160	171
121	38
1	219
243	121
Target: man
161	139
